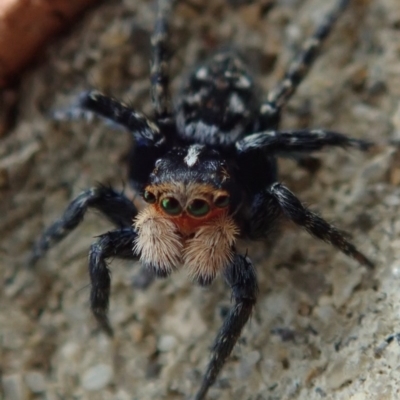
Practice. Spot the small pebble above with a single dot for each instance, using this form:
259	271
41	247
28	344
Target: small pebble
97	377
13	387
166	343
358	396
35	381
247	364
396	270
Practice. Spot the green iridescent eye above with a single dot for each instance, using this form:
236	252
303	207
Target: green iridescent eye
149	197
198	208
171	206
222	201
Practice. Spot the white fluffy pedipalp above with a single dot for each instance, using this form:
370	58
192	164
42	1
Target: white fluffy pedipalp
158	242
211	249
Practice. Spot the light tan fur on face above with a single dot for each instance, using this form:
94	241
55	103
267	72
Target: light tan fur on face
158	241
210	250
203	245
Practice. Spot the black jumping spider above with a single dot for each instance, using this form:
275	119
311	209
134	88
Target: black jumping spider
207	170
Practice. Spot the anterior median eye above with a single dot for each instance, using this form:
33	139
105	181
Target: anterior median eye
222	201
171	206
149	197
198	208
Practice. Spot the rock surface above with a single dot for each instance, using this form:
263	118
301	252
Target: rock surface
323	327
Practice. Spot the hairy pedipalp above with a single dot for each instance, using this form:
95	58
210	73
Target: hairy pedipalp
211	249
158	242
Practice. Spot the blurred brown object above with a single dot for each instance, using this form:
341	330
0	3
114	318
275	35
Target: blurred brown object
8	110
25	25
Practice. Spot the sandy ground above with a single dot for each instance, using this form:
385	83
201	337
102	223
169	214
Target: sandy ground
322	327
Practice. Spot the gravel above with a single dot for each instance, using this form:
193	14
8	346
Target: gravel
338	313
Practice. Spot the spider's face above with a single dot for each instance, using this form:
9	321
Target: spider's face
190	186
188	206
189	201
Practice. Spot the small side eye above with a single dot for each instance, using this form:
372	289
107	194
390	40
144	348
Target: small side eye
149	197
198	208
171	206
222	201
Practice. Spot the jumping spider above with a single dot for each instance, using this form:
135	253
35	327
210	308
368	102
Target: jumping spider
208	173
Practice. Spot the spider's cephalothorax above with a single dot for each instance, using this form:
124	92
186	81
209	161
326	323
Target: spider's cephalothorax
191	195
208	174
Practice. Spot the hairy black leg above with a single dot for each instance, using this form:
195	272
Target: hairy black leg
241	278
299	67
112	204
121	114
118	243
159	66
286	143
292	208
261	219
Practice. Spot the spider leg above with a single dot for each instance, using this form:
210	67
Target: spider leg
288	143
120	114
261	221
292	208
160	95
241	277
118	243
298	69
113	205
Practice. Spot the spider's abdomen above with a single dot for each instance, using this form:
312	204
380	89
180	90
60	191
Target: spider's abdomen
218	104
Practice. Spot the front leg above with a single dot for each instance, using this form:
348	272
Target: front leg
118	243
241	277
